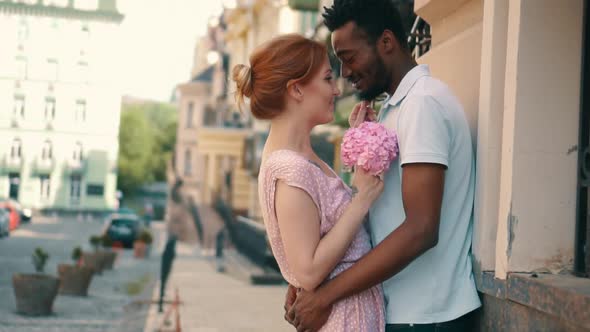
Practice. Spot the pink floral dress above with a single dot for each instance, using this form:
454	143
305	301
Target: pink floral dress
363	312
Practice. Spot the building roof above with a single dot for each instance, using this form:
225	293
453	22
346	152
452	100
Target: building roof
204	76
106	11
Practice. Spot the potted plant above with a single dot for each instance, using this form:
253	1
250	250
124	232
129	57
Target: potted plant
75	279
108	254
142	244
36	292
95	259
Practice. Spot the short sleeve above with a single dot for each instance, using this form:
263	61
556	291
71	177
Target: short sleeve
424	134
294	171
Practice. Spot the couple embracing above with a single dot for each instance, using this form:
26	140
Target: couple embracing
392	253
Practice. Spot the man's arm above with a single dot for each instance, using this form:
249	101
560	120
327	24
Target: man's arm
422	192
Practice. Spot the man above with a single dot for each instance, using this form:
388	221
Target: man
421	226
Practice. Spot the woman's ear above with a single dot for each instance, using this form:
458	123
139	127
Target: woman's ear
294	90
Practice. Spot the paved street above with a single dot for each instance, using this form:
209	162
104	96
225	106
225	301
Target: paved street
113	301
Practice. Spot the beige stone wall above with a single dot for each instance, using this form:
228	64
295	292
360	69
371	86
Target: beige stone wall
515	65
536	224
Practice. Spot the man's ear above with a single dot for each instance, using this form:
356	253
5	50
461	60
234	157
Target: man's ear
387	43
295	91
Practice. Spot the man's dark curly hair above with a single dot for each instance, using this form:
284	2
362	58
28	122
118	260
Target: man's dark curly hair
372	16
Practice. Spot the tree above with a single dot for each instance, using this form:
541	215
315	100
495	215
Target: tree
146	139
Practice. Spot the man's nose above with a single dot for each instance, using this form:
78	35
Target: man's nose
344	71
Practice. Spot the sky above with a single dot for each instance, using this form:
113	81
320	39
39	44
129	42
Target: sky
158	37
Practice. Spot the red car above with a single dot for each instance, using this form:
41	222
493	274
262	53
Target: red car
14	216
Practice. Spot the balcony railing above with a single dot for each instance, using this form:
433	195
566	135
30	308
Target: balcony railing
419	38
44	165
12	164
75	165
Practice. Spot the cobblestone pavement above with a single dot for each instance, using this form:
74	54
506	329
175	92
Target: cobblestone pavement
115	297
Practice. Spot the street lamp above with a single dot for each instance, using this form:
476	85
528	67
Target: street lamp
212	57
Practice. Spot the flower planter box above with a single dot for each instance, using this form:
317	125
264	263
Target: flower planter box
141	249
94	260
35	293
74	280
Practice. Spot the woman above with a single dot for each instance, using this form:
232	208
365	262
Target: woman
313	220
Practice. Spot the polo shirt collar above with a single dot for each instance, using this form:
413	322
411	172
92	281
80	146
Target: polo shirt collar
407	83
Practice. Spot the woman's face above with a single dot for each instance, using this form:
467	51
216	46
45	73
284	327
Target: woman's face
319	95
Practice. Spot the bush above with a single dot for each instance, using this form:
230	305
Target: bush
76	254
95	241
40	258
106	241
145	236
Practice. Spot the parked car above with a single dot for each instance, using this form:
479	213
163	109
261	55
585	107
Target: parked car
123	228
14	215
24	213
4	222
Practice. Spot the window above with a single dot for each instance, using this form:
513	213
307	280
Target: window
80	111
52	70
75	188
16	149
49	108
82	71
84	40
57	3
187	163
23	31
45	187
27	2
77	155
47	151
95	190
14	181
86	4
18	109
21	67
189	115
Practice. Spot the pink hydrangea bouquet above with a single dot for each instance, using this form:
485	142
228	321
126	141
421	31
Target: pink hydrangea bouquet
370	146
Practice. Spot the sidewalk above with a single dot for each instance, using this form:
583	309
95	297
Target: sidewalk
114	301
215	301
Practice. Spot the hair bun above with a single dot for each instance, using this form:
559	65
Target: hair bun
242	75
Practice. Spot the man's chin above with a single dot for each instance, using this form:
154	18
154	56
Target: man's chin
369	95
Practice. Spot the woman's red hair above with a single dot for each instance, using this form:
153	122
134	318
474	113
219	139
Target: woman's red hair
274	66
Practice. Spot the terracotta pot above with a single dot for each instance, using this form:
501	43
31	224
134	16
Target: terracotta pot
139	249
74	280
34	293
109	258
94	260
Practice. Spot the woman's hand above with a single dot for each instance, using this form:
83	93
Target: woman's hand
369	186
360	113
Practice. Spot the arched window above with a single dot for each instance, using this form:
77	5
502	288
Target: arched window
47	150
16	149
78	152
189	115
187	162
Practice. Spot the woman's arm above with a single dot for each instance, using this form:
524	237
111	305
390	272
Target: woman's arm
310	257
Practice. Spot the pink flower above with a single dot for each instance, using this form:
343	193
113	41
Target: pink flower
370	146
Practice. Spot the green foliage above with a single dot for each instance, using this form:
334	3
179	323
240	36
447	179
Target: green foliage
145	236
39	258
106	241
95	241
76	254
147	136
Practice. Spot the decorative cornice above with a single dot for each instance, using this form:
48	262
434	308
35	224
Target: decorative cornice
61	12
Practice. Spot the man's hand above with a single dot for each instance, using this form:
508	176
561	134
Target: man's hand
309	312
360	113
289	300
